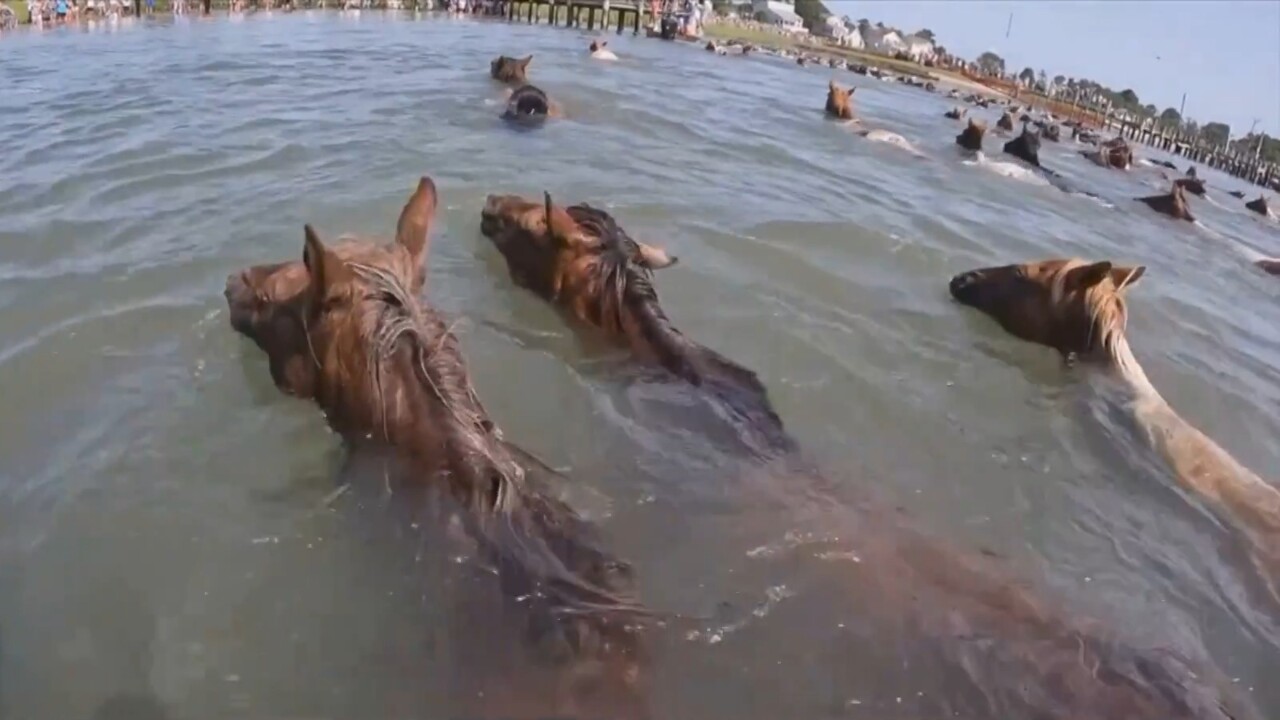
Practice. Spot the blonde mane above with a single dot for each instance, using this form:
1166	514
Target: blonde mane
1199	464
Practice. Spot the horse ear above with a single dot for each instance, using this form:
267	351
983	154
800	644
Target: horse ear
1127	277
415	220
560	225
654	257
322	265
1083	278
524	62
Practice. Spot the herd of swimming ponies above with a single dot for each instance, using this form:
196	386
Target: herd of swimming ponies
345	327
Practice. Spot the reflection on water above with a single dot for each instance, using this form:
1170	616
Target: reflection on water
165	546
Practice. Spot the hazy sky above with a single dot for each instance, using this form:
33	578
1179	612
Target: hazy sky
1224	54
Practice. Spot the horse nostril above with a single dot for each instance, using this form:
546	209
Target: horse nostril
963	281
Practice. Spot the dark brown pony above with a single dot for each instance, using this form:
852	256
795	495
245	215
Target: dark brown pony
1173	203
1005	122
510	70
839	105
971	137
580	259
344	328
1114	153
529	105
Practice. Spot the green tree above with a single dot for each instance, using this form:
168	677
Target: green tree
1129	98
1216	133
927	34
1170	118
812	12
991	63
1027	75
1060	80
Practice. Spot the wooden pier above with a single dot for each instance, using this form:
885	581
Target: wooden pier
534	11
1149	132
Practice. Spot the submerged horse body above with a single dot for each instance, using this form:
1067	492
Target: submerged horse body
344	328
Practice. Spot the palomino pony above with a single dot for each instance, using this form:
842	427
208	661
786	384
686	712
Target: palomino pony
581	259
343	327
1078	309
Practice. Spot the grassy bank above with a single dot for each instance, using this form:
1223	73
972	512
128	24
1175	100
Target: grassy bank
756	36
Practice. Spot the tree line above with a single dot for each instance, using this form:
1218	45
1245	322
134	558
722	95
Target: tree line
1213	133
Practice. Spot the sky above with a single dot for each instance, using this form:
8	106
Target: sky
1224	54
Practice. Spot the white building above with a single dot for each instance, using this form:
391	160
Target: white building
883	40
851	38
780	13
920	49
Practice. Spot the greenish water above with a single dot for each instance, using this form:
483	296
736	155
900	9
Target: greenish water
162	533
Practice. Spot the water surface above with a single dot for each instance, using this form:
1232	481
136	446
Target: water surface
163	532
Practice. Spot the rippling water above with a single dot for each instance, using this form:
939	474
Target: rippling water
163	532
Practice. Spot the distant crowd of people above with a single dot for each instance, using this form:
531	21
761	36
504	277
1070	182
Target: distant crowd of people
53	12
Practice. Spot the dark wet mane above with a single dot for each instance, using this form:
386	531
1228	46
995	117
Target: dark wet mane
541	546
622	285
528	100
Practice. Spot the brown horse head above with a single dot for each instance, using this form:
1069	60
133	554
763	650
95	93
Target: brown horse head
510	70
955	113
1259	206
581	259
598	45
1173	203
838	101
1025	147
270	304
1072	306
1005	122
971	137
1269	266
548	252
1117	153
344	327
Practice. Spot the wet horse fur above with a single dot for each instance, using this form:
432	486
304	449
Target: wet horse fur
1173	203
344	328
839	105
529	105
581	259
971	137
510	70
1079	309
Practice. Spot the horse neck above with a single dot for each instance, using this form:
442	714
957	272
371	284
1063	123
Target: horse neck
1199	464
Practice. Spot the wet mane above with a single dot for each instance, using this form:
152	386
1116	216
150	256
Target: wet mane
1105	310
621	285
541	546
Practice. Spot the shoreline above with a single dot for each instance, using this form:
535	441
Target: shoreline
721	31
